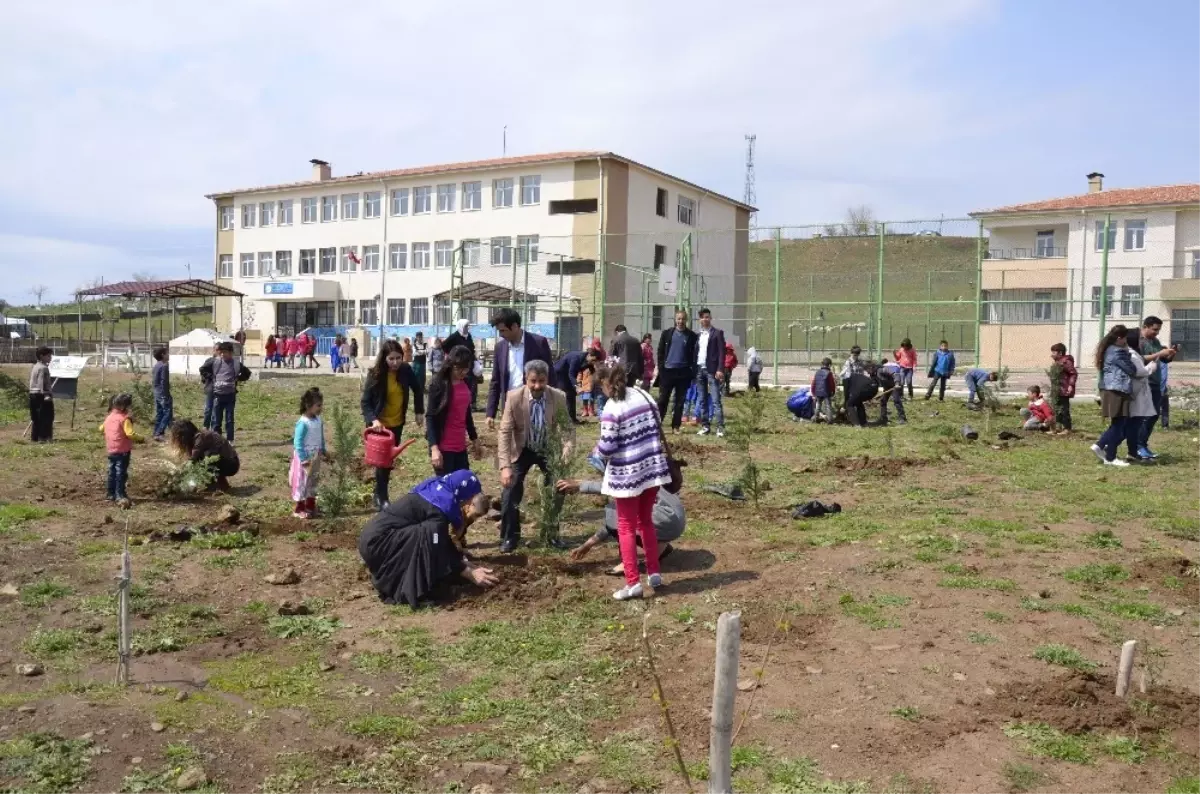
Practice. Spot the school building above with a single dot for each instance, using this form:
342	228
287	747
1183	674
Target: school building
1048	277
375	251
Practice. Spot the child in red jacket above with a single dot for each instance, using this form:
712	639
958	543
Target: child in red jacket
1067	375
1039	415
731	362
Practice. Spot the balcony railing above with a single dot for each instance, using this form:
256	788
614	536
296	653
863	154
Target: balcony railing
1187	264
1040	252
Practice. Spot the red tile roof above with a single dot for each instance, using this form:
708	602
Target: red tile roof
472	165
1119	197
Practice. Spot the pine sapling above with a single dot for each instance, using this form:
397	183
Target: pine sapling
337	479
562	459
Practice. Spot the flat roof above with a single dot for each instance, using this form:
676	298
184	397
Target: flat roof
1161	195
474	165
178	288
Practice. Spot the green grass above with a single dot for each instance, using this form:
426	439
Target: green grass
996	617
383	726
975	582
1096	574
981	638
1189	784
44	763
42	592
907	713
869	613
1129	609
1083	748
55	644
320	627
1102	539
14	514
1063	656
226	541
1023	777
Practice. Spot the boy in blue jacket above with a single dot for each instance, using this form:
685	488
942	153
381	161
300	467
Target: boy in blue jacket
940	369
977	380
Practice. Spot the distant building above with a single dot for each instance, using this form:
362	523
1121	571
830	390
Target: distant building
1042	275
376	249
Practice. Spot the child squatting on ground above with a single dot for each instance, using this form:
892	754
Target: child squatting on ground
118	440
1038	415
308	451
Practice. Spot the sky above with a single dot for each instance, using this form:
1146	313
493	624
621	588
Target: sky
120	116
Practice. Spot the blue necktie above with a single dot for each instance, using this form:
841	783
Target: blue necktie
537	423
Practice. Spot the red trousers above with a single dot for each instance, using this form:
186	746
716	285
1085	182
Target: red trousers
634	518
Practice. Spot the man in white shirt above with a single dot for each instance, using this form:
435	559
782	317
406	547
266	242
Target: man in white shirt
710	374
514	350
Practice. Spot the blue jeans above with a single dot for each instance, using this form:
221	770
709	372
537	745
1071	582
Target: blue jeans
1116	433
708	396
208	410
118	474
906	380
1147	423
223	409
164	414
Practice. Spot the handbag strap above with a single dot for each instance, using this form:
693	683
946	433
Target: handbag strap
662	436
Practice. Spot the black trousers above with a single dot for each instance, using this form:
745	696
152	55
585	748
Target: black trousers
754	376
41	417
940	382
383	477
452	462
857	413
674	380
510	499
1062	412
572	396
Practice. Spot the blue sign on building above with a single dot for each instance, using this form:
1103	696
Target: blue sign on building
277	288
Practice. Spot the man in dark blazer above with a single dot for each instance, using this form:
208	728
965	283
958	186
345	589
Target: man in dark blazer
628	349
710	373
462	337
676	367
516	348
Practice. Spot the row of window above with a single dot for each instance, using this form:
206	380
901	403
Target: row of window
399	311
1135	237
348	259
402	201
1049	306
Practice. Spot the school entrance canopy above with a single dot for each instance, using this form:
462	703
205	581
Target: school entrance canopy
158	290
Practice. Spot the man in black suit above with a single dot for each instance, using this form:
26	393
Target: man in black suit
462	336
516	348
676	367
626	347
566	371
710	373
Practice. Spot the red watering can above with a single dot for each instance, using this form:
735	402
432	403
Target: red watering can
377	447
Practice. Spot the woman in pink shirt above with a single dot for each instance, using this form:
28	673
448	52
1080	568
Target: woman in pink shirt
906	357
448	421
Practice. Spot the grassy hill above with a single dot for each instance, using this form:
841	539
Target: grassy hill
819	275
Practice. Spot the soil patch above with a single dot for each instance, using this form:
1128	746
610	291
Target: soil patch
1153	572
530	582
887	467
797	630
1085	701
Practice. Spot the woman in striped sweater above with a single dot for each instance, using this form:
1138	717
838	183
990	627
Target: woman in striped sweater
631	442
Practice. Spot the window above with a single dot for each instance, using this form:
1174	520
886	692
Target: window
225	266
266	213
1192	269
573	206
371	204
328	260
472	196
658	318
441	311
502	251
308	261
400	201
502	190
570	267
660	256
395	311
420	256
349	206
470	253
418	311
1135	235
1042	306
292	316
368	312
531	190
445	195
266	261
248	211
527	249
1131	300
1045	244
227	218
660	205
686	212
443	253
247	266
1112	238
398	256
1096	302
285	212
283	263
308	210
422	200
370	258
348	256
346	312
328	208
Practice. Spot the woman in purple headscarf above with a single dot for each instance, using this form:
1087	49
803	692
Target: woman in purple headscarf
418	540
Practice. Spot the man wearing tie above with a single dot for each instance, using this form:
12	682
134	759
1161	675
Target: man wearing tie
516	348
530	413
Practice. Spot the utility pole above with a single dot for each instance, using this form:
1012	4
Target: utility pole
750	195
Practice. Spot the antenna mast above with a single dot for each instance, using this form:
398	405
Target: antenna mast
750	195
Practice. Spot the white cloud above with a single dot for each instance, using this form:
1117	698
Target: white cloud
140	108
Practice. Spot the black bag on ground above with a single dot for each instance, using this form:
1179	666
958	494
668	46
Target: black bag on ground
815	509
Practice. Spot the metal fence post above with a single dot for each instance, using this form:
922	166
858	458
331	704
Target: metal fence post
1104	277
775	354
879	296
978	290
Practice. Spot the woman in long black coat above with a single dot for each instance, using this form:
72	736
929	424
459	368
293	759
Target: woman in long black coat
417	540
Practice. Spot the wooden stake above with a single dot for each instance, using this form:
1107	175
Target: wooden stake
1125	667
662	704
124	641
720	741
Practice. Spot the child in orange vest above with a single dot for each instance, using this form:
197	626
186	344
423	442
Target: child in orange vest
118	439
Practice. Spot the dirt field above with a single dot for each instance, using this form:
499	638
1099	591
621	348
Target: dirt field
956	628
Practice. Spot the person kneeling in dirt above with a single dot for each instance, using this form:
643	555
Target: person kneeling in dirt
208	446
417	540
668	517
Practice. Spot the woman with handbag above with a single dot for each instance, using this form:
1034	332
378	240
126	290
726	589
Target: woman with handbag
631	443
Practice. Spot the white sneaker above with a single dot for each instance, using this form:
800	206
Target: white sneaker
1116	462
629	591
721	433
704	431
1098	452
656	581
